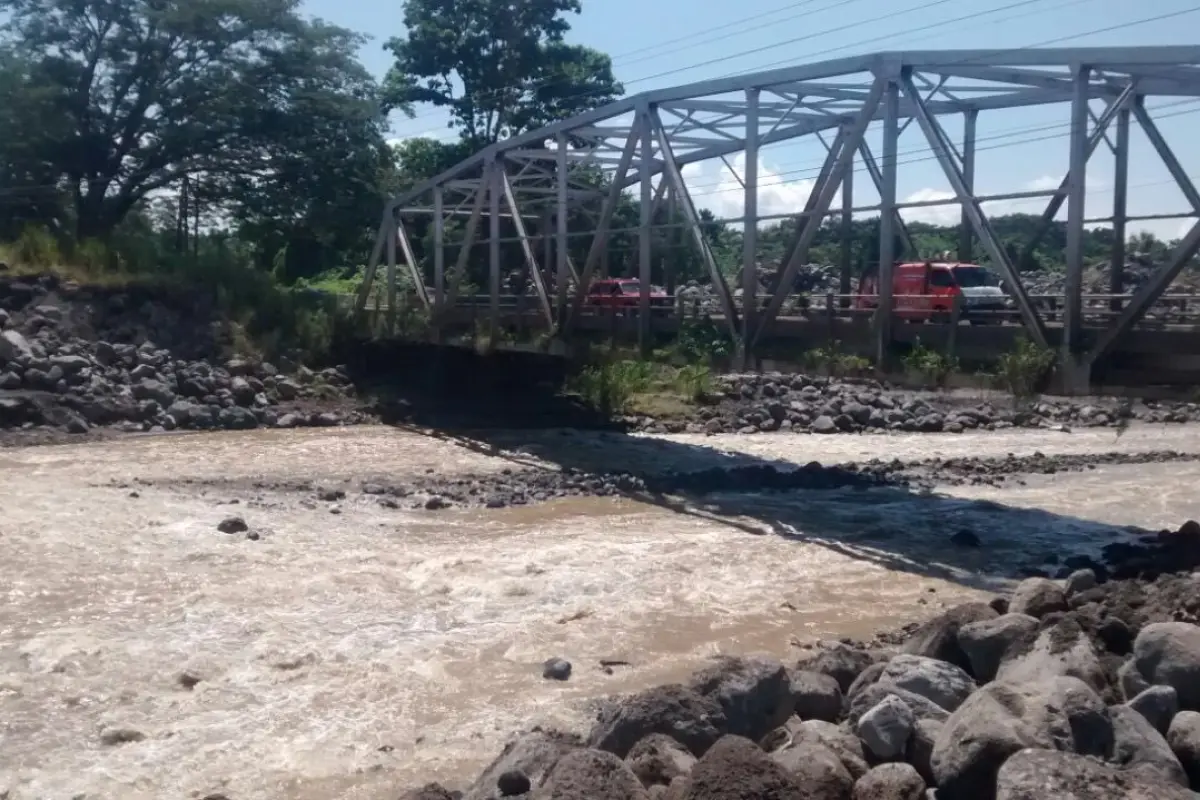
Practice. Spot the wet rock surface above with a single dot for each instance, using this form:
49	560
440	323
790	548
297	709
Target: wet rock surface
1057	727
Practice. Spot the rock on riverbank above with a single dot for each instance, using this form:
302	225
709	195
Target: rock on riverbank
1081	689
756	403
75	362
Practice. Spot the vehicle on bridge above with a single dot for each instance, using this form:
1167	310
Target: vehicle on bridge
927	291
624	293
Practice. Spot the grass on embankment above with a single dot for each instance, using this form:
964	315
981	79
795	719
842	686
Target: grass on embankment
263	318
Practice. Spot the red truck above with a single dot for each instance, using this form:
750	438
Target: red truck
623	293
926	291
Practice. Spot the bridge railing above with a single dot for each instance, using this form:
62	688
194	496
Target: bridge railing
1099	310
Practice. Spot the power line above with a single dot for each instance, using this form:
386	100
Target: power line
501	94
812	168
711	28
814	35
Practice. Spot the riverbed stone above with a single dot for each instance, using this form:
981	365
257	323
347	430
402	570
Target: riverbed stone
1168	653
1041	774
895	781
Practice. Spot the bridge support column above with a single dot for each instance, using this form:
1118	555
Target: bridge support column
645	232
1056	202
494	191
1185	250
844	287
1076	209
561	254
965	238
1116	275
750	235
887	227
391	274
439	260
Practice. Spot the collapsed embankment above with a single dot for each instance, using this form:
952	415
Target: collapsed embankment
77	360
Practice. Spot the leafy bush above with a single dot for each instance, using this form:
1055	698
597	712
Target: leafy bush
1024	371
610	387
836	362
694	382
702	341
36	247
929	364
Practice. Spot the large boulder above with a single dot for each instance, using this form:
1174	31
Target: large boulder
658	759
1037	597
922	707
1138	747
818	769
941	682
13	346
845	744
886	728
754	693
1168	653
1159	705
989	642
938	638
890	782
1184	739
920	747
592	775
534	753
737	769
1039	774
691	719
1064	648
839	661
1053	713
817	696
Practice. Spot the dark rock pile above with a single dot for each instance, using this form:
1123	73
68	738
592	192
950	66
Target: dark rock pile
66	364
527	486
754	403
1083	689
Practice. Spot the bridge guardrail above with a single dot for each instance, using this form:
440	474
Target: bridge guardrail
1098	309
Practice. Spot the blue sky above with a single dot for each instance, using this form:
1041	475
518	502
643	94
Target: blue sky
648	37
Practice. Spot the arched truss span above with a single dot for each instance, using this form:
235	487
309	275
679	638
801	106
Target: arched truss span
647	139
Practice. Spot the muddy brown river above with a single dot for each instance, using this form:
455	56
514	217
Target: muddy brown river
353	651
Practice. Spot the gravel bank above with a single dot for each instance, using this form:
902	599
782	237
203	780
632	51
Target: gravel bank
1084	689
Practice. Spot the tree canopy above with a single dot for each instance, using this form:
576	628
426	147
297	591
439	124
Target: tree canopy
500	67
114	100
147	125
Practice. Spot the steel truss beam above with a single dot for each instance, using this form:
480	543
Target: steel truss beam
667	129
692	218
1188	246
974	210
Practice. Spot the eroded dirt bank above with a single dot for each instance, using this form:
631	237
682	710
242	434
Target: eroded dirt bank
355	649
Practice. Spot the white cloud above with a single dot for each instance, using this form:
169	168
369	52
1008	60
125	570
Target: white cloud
721	192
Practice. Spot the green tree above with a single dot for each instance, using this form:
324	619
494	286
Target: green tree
136	94
499	67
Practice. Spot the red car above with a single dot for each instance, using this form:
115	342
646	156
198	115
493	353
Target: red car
624	293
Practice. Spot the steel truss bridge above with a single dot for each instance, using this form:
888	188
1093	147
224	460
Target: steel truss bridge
543	180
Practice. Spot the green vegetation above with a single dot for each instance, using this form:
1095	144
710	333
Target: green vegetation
1024	371
929	365
239	149
635	386
832	360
